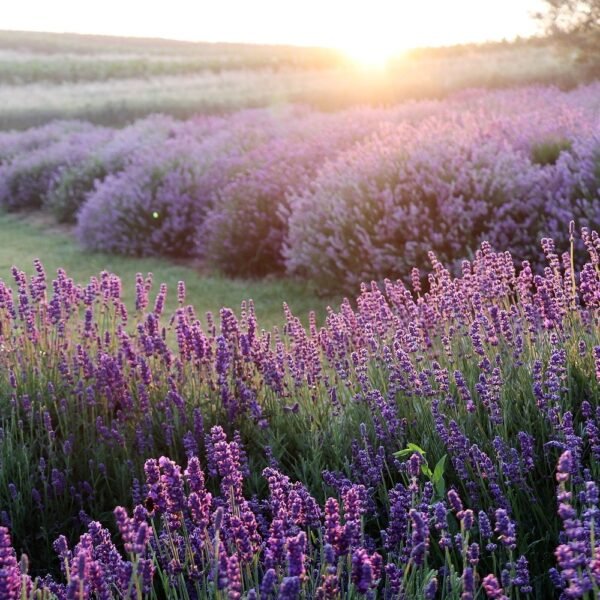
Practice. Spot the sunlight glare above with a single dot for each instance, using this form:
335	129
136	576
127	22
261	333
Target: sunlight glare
371	56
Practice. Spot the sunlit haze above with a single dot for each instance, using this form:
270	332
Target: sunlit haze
368	31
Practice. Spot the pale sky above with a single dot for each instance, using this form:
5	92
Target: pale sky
381	25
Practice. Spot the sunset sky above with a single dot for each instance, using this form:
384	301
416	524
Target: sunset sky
377	26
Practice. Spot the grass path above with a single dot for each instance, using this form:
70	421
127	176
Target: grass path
24	238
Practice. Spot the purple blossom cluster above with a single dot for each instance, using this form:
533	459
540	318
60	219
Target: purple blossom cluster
508	175
288	547
578	556
407	447
29	177
78	181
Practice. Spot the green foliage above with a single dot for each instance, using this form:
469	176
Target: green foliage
575	24
547	152
68	195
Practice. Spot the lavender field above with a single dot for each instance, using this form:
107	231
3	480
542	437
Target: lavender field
437	437
421	444
338	198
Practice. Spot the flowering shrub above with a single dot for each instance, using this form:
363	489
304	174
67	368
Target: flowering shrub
152	207
407	447
26	180
445	184
157	204
13	143
78	180
575	188
338	197
245	231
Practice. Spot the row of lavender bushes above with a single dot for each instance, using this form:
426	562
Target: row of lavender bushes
420	444
338	198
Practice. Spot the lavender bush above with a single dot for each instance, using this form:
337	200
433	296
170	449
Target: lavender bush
157	204
152	207
26	180
78	180
421	444
444	184
246	229
13	143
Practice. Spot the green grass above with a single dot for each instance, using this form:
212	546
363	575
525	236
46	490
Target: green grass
24	238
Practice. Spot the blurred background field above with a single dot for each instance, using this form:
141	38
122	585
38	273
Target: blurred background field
112	80
336	198
222	153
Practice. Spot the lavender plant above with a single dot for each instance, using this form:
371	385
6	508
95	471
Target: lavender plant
407	448
26	180
78	180
158	203
445	184
14	143
245	231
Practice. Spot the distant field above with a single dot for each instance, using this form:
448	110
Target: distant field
27	57
115	80
74	43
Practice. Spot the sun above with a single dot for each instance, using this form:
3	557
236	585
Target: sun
370	41
373	55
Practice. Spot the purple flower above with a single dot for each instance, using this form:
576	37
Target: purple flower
430	590
289	589
468	584
492	588
473	554
455	502
521	578
564	467
296	548
506	529
420	537
10	573
234	578
267	586
354	507
366	570
414	465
